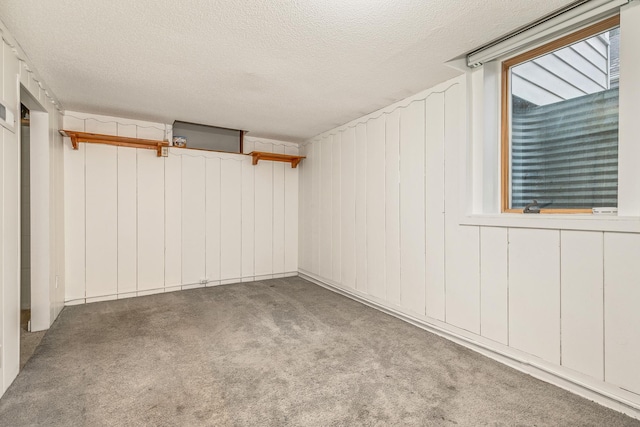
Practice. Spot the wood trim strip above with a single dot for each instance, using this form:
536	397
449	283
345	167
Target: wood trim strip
505	152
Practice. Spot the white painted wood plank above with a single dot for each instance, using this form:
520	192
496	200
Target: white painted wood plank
97	126
8	306
392	207
173	220
336	213
361	207
193	220
150	221
325	207
127	216
435	243
264	217
291	183
278	212
305	196
11	255
248	219
11	68
534	292
102	220
348	207
375	207
150	132
292	150
265	146
25	74
72	123
315	208
582	330
412	207
74	227
493	284
231	219
248	146
126	130
212	219
621	314
462	243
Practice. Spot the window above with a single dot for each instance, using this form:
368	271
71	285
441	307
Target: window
560	124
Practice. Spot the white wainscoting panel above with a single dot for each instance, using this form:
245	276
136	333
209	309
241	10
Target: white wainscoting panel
582	264
621	313
534	292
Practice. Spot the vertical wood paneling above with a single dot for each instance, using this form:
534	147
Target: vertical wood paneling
264	220
5	304
96	126
376	207
582	290
315	207
231	219
212	220
392	207
534	292
325	207
348	207
412	207
74	203
462	243
126	130
336	213
11	257
149	132
127	215
435	243
102	220
248	219
278	213
493	284
361	207
621	314
291	180
150	221
193	219
173	220
306	197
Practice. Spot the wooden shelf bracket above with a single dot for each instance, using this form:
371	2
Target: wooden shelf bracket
276	157
121	141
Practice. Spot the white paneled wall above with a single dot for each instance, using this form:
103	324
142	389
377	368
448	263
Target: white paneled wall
380	214
138	224
18	84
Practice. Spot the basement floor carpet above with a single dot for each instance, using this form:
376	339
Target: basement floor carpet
272	353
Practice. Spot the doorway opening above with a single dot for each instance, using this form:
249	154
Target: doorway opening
34	224
25	220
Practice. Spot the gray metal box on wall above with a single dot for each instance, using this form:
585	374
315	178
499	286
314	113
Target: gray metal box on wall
208	137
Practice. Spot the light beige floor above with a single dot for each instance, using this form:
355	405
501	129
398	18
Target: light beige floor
28	340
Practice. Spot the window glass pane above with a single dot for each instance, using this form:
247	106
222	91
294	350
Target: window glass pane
564	126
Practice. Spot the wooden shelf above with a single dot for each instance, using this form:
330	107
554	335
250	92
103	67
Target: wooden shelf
121	141
261	155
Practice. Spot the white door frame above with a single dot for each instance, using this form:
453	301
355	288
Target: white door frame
40	198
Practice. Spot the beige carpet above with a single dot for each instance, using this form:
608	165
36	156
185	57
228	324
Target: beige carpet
282	352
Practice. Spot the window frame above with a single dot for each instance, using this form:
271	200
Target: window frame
505	119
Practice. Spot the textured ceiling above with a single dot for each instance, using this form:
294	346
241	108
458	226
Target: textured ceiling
283	69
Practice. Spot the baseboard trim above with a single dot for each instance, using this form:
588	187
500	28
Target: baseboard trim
511	359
